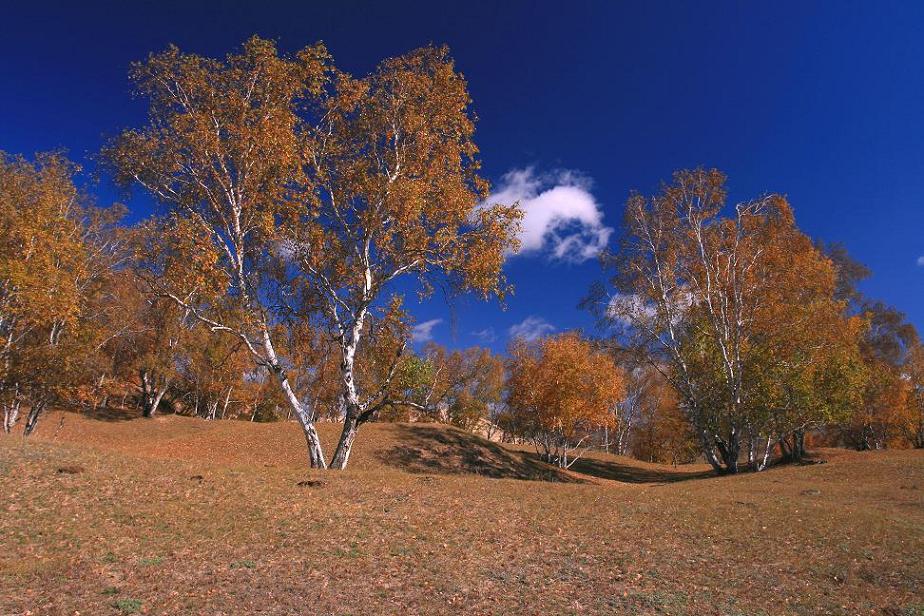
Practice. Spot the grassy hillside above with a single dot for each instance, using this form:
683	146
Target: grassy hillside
173	515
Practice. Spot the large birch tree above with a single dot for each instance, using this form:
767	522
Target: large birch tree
739	312
298	193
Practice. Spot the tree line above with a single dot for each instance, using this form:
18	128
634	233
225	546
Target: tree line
294	197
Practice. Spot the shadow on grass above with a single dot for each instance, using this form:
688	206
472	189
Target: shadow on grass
425	448
109	413
627	473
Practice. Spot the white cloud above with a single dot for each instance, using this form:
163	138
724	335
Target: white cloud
486	335
423	332
531	328
626	308
630	309
920	261
562	217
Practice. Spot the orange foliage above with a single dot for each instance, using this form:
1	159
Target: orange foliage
561	390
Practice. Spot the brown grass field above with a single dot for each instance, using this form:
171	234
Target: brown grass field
174	515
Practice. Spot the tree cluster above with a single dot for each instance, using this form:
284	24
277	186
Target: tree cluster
760	333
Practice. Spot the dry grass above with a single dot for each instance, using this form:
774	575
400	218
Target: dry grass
183	516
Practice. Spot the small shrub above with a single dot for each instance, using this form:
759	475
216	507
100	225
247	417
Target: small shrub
243	564
127	606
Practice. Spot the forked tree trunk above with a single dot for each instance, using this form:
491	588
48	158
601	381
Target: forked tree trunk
708	450
730	450
726	462
151	394
153	403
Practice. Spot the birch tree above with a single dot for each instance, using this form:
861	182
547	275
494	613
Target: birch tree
56	251
719	302
399	196
291	187
145	349
221	152
914	375
560	392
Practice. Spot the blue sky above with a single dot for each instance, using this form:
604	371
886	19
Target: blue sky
578	103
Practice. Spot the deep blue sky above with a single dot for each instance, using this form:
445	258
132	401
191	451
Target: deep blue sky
820	101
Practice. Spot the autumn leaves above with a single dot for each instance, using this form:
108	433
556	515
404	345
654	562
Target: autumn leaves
297	194
294	196
744	315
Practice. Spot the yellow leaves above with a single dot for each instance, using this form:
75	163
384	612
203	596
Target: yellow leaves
258	142
223	135
42	256
56	252
562	384
182	257
745	304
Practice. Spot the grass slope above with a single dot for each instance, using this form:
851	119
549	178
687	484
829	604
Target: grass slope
182	516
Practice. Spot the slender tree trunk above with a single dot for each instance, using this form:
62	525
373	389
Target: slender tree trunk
224	408
622	440
11	410
708	449
315	453
32	419
151	408
11	414
305	417
349	397
145	391
151	394
766	458
347	436
798	447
